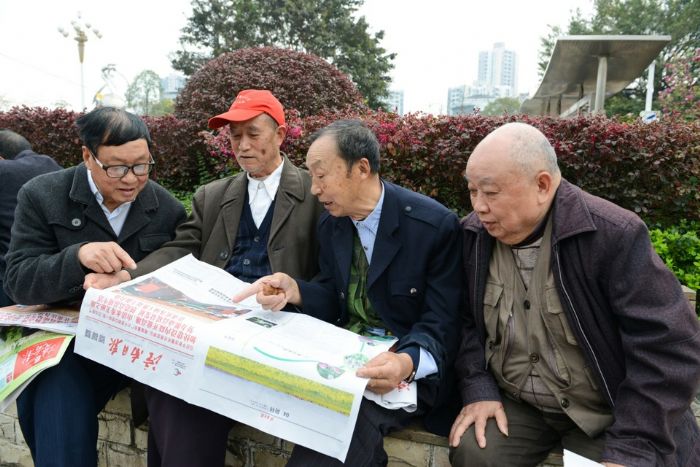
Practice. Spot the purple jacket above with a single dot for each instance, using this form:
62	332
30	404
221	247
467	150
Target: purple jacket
632	321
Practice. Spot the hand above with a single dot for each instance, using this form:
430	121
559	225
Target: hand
478	413
272	292
105	257
386	371
611	464
102	280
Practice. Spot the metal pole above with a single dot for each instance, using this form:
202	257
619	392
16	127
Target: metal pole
650	86
599	106
81	39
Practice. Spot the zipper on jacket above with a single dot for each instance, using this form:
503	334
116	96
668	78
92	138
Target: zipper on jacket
580	328
476	286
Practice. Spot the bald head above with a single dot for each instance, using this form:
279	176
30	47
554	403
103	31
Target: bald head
512	177
523	146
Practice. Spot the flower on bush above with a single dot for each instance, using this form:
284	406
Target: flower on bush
681	98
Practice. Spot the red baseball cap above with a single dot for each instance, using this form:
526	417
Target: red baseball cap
249	104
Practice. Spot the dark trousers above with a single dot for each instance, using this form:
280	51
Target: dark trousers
531	435
367	444
184	435
58	410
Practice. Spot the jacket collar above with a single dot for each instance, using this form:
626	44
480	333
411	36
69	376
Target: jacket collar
145	201
571	214
291	186
386	243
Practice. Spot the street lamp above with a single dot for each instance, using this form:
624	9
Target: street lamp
81	36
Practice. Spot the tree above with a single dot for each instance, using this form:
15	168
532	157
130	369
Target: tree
502	105
677	18
299	80
326	28
143	94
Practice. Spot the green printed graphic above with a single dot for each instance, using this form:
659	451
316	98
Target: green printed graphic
281	381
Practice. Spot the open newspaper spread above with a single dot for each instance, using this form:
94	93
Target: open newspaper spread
288	374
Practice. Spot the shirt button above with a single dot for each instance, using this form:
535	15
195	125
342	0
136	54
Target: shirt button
413	291
534	358
492	344
223	254
565	402
408	208
76	222
342	295
256	239
526	304
246	261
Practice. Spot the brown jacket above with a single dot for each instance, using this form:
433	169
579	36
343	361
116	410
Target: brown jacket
210	230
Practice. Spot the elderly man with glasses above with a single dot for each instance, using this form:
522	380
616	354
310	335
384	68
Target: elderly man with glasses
102	216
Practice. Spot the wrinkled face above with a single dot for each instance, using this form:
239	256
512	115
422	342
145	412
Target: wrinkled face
331	182
117	191
256	144
510	203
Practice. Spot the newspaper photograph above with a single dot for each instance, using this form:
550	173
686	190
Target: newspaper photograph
287	374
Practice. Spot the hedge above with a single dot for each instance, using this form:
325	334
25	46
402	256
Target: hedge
650	169
299	80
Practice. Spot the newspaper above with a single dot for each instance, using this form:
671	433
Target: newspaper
22	358
49	318
287	374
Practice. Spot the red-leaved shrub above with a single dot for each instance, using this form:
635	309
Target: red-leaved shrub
299	80
653	170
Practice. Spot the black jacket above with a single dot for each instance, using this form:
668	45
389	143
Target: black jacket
13	174
56	214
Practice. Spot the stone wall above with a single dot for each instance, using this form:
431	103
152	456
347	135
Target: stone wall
122	445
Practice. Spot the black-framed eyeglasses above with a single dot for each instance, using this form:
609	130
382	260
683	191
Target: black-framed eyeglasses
119	171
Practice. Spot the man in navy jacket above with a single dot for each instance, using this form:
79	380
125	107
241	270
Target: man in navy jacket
411	244
18	164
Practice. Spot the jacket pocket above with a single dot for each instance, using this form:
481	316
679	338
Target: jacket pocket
558	325
152	242
407	288
492	295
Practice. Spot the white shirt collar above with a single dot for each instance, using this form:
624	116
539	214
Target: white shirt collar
271	182
115	218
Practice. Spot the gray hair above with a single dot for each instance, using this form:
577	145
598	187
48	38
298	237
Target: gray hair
354	141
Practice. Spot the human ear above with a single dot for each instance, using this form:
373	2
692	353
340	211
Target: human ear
545	185
86	155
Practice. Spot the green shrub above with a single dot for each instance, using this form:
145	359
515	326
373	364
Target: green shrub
679	247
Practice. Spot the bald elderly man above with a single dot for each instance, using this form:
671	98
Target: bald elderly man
576	334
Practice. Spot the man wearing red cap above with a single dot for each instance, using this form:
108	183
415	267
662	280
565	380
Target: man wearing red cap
260	221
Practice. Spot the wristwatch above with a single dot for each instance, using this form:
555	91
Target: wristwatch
409	379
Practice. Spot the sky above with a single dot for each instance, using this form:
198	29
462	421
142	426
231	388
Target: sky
437	43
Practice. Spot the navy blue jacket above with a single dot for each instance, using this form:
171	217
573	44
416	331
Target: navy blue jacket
413	282
13	174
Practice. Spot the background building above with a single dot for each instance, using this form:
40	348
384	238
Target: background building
171	85
498	71
497	77
394	102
